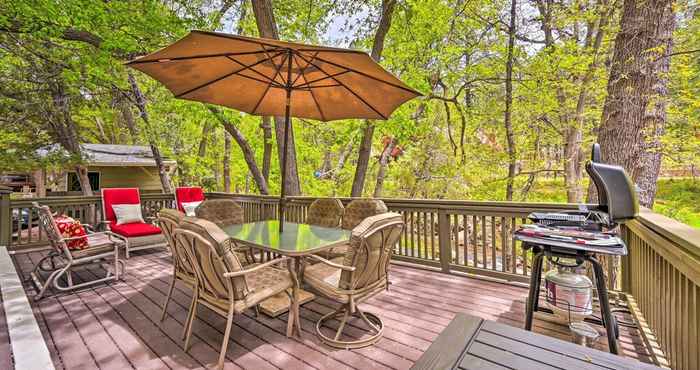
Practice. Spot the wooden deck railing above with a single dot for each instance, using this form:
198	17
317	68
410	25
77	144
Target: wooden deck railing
661	274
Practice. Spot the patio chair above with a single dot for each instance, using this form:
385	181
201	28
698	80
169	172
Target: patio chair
224	212
223	284
138	233
67	253
169	220
356	211
188	198
325	212
362	273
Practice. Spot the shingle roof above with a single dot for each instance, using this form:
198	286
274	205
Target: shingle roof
115	155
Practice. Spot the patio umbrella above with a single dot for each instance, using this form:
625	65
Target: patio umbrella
276	78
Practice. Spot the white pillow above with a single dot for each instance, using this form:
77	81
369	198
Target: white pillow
127	213
189	207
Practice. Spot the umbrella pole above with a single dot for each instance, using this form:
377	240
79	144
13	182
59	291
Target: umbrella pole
287	128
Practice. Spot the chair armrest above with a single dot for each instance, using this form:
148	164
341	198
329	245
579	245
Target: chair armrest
256	268
332	264
88	228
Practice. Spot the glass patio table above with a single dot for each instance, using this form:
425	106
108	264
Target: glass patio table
296	241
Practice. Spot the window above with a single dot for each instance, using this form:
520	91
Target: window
74	184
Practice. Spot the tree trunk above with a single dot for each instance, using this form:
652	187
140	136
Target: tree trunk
39	182
510	137
67	132
383	164
141	105
634	114
227	162
248	153
267	147
267	27
365	150
206	129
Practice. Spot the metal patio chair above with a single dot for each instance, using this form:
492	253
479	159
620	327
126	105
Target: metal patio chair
225	212
362	273
62	260
223	284
325	212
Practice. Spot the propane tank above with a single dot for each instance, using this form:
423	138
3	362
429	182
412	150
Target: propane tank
569	294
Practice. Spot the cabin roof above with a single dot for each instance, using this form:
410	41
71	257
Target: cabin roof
115	155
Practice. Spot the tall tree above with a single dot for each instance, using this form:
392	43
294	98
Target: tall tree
634	114
227	162
267	27
140	102
507	114
365	150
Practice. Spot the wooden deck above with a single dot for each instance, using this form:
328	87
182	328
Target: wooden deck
117	326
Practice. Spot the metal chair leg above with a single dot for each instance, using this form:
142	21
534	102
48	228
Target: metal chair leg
227	334
187	330
167	298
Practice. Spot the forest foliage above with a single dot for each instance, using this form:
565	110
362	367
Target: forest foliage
450	143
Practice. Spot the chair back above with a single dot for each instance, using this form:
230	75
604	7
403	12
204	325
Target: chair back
359	209
212	254
188	194
325	212
168	221
371	245
222	212
48	224
112	196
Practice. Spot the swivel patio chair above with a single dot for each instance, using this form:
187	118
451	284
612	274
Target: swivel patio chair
325	212
224	212
362	273
67	253
356	211
169	220
223	285
188	198
137	233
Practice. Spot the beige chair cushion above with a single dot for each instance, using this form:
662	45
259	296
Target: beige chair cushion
261	285
360	209
226	248
369	252
325	212
222	212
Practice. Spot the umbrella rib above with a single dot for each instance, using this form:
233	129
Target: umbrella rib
308	83
277	71
370	76
203	56
253	70
350	90
311	91
221	78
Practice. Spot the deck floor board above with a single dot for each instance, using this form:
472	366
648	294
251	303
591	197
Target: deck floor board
117	326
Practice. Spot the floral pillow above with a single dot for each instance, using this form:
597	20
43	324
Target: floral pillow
70	228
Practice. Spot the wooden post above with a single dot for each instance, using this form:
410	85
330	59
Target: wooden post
444	240
5	216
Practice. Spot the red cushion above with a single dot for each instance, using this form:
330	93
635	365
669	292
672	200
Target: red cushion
188	194
111	196
71	228
134	229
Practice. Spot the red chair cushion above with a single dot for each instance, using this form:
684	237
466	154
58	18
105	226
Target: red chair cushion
135	229
111	196
187	195
71	228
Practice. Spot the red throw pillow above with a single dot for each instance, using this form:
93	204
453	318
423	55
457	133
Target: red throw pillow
70	228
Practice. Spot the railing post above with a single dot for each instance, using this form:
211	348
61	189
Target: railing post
5	216
444	240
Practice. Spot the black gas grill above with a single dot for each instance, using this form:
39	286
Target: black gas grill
582	234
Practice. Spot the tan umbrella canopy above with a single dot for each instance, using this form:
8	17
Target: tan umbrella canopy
275	78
